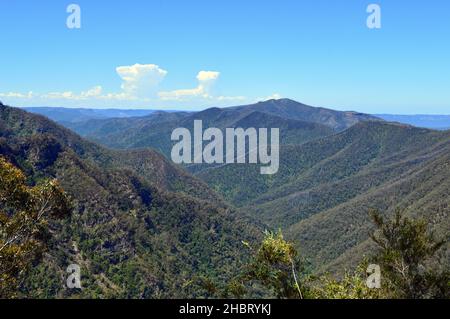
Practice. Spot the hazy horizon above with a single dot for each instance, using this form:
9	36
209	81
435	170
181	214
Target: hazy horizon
208	107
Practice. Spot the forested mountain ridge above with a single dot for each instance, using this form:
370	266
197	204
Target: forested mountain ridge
331	173
148	163
328	159
287	108
141	228
324	188
298	123
331	164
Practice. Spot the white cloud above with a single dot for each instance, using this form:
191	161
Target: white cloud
140	79
28	95
274	96
139	87
59	95
206	80
206	76
179	95
230	98
118	96
138	82
95	91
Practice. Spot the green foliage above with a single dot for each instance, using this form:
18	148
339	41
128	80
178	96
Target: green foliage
406	251
351	286
277	266
24	215
406	256
274	266
272	271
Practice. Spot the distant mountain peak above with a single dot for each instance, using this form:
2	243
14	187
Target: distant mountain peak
288	108
280	101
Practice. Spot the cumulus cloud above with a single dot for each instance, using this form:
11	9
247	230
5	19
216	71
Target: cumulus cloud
206	80
139	85
140	79
207	76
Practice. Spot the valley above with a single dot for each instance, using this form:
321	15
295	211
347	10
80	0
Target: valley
334	167
211	151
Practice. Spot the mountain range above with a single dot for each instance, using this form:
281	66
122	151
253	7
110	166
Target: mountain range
298	123
334	167
78	115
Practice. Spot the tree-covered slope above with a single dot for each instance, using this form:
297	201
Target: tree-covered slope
334	166
324	188
338	237
141	228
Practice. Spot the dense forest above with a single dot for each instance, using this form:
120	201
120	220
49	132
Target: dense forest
352	191
334	167
136	233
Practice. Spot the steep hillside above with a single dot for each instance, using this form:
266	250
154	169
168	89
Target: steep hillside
324	188
127	133
141	228
337	237
148	163
334	167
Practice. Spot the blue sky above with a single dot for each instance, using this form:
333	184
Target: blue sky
193	54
